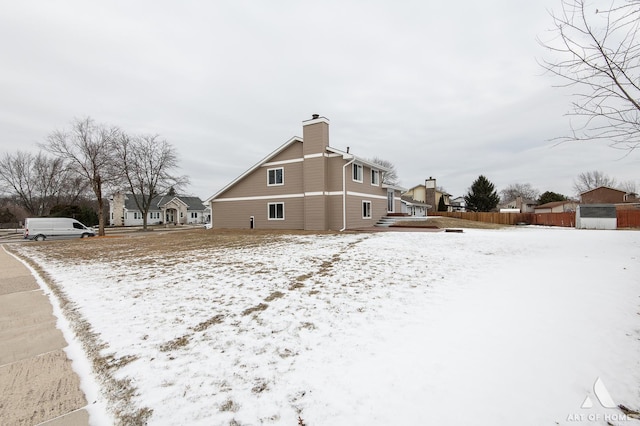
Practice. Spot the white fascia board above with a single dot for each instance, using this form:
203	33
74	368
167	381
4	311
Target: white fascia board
279	163
319	193
277	197
177	200
317	155
315	120
254	167
345	155
359	160
363	195
259	197
396	187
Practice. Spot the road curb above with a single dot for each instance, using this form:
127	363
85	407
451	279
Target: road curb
37	382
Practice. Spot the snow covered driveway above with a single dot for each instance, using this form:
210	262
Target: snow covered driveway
488	327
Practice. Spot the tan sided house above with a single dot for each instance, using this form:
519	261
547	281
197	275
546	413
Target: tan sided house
306	184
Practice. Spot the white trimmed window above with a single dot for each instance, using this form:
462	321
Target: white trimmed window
366	209
276	211
194	215
154	215
357	172
275	176
137	215
375	177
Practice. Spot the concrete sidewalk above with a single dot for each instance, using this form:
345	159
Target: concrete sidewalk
37	384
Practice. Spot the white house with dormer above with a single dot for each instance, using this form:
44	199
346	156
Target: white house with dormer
165	209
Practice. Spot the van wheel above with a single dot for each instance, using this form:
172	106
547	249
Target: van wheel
39	238
83	236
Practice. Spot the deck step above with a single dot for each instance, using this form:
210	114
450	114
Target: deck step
387	221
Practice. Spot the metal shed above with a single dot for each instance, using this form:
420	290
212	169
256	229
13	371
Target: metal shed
596	216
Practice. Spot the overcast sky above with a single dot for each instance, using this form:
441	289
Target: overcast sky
444	89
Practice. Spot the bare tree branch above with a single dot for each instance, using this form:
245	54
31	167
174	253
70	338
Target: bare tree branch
596	51
146	162
389	177
591	180
37	181
88	149
524	190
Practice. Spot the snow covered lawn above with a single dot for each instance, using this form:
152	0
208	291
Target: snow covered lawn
490	327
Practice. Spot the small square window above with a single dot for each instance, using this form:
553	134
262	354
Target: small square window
276	211
275	176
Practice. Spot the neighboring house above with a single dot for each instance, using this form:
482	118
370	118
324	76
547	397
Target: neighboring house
123	210
523	205
306	184
604	195
557	207
458	204
631	197
412	207
429	194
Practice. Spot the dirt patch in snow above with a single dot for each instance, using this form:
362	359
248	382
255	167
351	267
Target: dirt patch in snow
450	222
168	246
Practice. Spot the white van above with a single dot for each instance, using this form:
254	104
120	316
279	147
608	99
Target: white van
41	228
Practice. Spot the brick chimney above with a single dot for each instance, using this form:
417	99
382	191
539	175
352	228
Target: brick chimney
118	209
430	193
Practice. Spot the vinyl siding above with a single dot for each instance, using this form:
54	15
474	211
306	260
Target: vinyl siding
335	168
373	193
365	187
237	214
314	174
256	183
315	213
312	192
292	152
334	212
316	137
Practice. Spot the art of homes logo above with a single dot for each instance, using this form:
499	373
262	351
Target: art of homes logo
602	394
604	399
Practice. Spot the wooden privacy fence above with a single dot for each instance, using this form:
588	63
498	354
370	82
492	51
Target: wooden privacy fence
490	217
566	219
626	218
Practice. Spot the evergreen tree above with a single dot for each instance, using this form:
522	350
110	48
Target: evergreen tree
442	207
6	216
86	215
550	197
482	196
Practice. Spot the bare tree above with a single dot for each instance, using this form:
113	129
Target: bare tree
515	190
389	177
146	165
597	51
88	149
629	186
591	180
37	181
